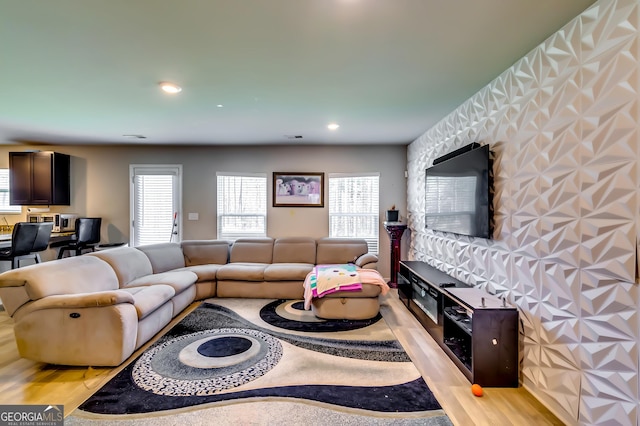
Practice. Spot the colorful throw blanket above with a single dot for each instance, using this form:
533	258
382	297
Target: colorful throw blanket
331	278
327	279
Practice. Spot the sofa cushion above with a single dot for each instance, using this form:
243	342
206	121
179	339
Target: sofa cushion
205	252
164	257
179	280
339	250
252	250
204	272
294	250
287	271
242	271
149	298
129	263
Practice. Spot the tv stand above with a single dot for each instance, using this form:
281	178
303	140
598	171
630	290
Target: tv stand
477	330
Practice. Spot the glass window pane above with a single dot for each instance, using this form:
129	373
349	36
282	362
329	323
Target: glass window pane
154	209
242	205
5	207
354	207
155	203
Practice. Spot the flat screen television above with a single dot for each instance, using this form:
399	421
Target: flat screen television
458	193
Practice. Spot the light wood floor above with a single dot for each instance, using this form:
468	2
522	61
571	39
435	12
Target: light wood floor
27	382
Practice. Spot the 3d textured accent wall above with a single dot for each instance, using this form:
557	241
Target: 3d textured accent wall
563	123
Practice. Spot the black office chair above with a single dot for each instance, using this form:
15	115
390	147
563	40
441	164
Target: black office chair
87	236
27	241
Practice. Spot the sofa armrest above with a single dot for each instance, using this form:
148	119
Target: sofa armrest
80	300
11	282
367	261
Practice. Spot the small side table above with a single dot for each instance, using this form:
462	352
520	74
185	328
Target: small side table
395	231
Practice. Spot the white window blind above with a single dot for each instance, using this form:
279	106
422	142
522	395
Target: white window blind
155	204
242	205
354	207
5	207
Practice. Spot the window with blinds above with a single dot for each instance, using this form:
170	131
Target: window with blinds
354	207
155	204
242	205
5	207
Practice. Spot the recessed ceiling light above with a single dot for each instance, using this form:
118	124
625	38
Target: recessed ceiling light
333	126
170	87
220	106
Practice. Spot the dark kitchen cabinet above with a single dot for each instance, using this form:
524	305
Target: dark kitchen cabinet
40	178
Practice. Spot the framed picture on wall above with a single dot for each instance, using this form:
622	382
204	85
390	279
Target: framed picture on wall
298	189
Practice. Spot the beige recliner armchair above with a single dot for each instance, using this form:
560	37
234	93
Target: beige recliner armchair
82	317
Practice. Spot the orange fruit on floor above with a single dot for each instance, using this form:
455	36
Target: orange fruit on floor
476	389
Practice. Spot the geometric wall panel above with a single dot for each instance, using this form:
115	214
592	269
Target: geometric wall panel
563	124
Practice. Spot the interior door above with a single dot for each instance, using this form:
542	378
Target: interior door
155	204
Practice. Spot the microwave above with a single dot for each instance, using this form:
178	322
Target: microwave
62	222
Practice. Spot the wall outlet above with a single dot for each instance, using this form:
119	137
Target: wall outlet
193	216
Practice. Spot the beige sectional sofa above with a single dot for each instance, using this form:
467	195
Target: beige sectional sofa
97	309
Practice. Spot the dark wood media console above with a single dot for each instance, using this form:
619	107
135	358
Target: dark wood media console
477	330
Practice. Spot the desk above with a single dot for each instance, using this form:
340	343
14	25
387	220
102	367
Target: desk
56	237
59	238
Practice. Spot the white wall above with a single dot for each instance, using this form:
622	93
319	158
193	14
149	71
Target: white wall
100	183
563	123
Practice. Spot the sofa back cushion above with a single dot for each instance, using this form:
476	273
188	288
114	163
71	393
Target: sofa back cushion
205	252
164	257
129	263
294	250
339	250
252	250
71	275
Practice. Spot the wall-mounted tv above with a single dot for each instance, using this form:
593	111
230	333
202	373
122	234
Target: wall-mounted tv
458	192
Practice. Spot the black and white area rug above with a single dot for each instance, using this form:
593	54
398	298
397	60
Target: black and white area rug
266	355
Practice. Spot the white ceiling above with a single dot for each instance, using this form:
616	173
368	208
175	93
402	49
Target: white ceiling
87	71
